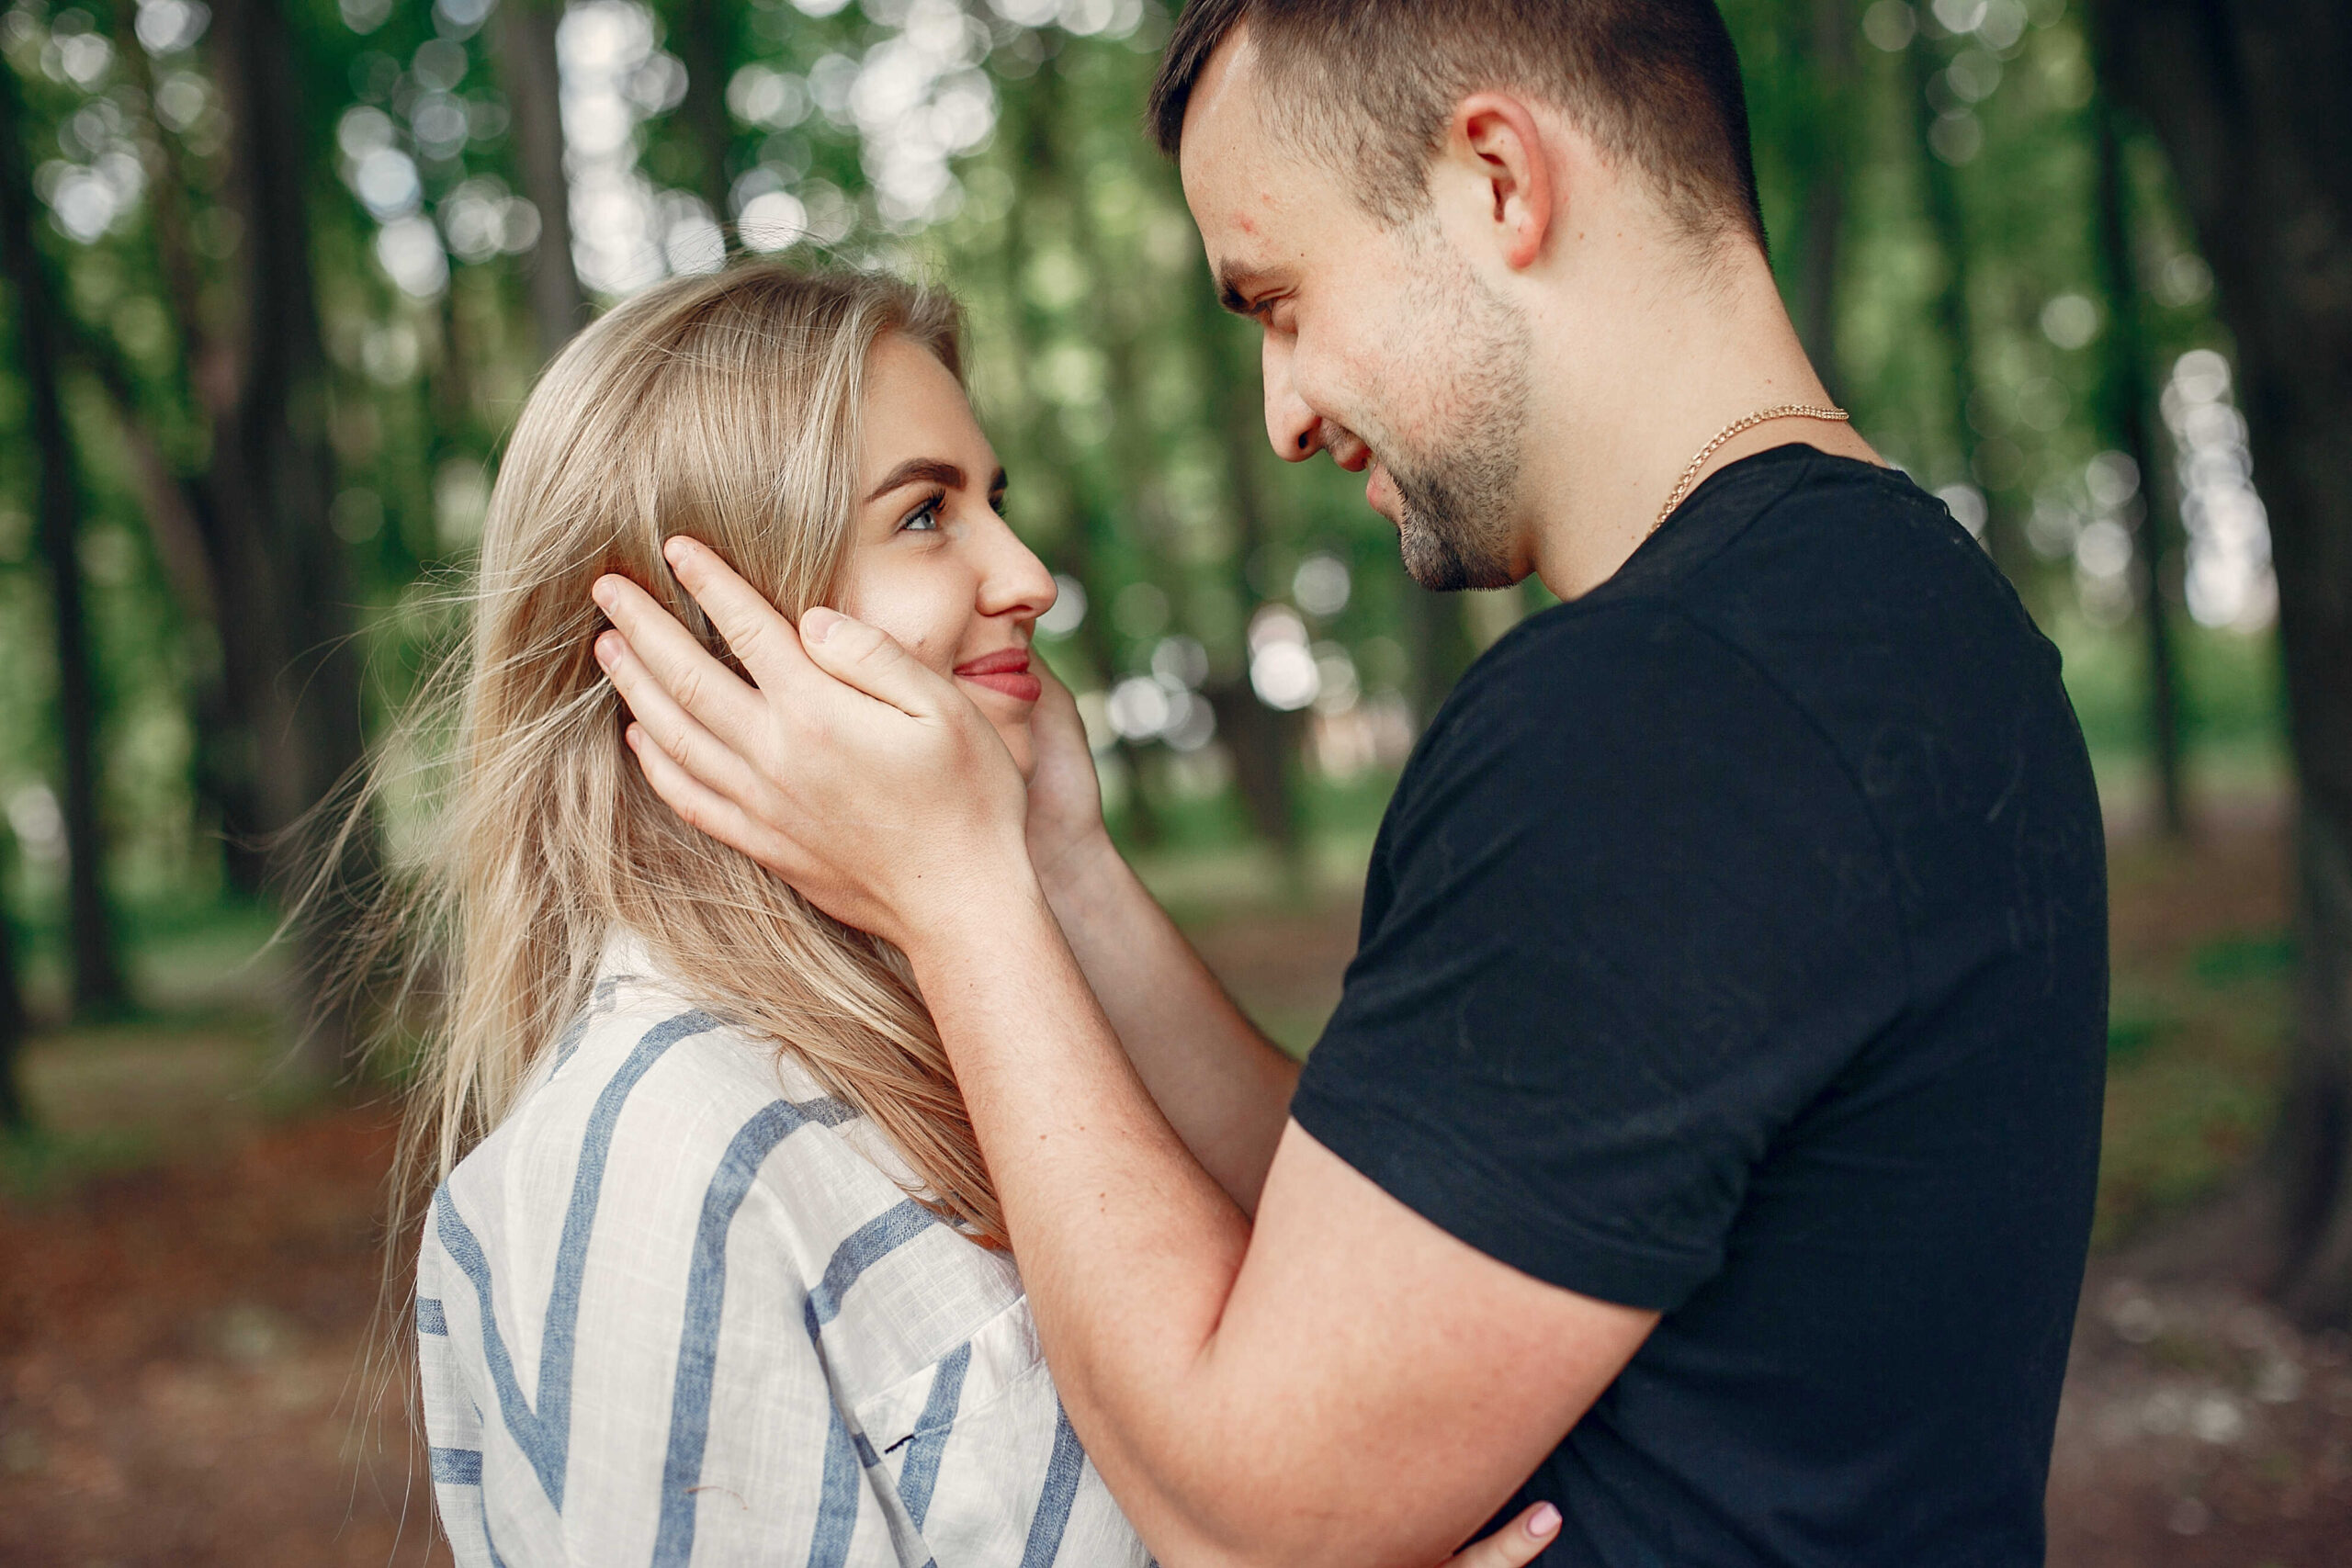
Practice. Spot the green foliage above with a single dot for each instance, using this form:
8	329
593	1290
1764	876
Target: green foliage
1122	400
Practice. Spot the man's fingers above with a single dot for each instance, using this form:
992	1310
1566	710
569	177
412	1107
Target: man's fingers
871	660
704	809
673	657
755	631
711	760
1517	1542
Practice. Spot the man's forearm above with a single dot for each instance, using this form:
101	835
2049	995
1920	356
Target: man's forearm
1221	1083
1129	1248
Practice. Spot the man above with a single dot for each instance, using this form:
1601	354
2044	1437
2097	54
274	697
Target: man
1705	1138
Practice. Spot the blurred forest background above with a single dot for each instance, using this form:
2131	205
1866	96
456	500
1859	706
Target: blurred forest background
280	272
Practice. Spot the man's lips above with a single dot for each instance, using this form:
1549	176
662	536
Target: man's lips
1006	672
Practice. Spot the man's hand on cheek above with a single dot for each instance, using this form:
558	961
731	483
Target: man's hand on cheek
866	781
1065	796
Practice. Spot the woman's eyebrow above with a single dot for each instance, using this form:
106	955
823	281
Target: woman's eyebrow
919	471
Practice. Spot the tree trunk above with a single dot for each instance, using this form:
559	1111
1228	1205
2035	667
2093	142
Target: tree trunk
528	70
1438	648
98	975
2128	396
1939	188
1824	192
1030	118
286	614
16	1115
1266	741
699	37
175	503
2246	97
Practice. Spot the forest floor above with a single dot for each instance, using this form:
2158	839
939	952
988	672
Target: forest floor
192	1262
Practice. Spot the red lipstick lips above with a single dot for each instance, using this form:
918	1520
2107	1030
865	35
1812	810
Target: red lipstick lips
1006	672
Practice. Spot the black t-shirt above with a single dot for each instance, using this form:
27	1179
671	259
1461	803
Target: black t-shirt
1735	946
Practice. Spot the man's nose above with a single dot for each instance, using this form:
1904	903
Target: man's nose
1296	430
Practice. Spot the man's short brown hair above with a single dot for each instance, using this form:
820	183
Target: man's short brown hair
1371	83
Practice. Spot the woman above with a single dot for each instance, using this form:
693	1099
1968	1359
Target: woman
720	1276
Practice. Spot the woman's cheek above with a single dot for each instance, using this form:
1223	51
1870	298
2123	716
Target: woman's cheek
910	628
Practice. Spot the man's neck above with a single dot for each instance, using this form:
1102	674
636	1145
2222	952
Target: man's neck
1640	368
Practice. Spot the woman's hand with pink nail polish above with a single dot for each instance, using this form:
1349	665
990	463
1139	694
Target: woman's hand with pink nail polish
1520	1542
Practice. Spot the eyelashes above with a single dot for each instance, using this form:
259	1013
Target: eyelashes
925	517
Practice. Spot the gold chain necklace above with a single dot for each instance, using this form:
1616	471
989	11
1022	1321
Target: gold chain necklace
1786	411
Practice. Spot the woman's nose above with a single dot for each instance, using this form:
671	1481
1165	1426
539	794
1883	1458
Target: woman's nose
1012	577
1295	428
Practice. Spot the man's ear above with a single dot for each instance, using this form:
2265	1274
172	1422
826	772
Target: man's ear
1496	140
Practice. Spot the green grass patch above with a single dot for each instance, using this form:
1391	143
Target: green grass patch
2131	1034
2195	1060
37	1164
2237	960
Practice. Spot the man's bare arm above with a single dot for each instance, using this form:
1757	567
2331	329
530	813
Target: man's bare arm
1224	1086
1222	1083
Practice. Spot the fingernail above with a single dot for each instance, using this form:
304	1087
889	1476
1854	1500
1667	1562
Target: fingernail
819	624
1543	1521
608	649
675	548
630	735
602	591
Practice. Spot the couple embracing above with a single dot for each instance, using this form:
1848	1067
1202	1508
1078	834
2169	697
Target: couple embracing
844	1161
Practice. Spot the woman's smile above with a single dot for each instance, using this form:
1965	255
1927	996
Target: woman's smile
1006	671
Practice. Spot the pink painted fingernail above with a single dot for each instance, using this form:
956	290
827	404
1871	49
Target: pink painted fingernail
1543	1521
819	624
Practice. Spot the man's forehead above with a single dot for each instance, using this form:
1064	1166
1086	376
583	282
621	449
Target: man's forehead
1224	158
1242	192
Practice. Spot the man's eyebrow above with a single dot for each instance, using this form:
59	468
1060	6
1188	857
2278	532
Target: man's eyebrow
919	471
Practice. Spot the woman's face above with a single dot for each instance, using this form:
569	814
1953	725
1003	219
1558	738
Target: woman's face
932	563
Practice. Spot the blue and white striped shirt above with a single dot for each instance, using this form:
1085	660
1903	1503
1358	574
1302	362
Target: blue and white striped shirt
678	1308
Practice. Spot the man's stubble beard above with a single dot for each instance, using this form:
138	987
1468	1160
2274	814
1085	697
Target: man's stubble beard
1454	505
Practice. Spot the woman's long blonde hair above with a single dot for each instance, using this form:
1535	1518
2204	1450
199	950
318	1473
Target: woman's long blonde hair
726	406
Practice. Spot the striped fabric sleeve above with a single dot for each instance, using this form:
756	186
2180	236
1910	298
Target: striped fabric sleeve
456	1427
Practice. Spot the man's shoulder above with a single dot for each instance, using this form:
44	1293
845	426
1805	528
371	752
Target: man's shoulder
1812	561
1640	677
1796	540
1841	589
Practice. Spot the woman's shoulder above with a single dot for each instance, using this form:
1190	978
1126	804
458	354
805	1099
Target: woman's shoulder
648	1098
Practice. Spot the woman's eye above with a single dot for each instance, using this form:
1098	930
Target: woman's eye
924	518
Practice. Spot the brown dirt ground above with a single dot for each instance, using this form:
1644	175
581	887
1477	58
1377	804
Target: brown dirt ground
180	1377
180	1344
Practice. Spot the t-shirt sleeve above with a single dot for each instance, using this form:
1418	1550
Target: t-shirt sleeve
1627	918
